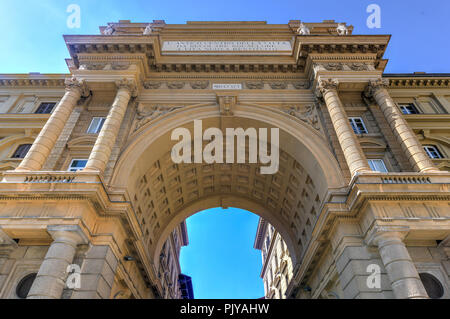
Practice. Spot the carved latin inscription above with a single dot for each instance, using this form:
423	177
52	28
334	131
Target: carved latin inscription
226	46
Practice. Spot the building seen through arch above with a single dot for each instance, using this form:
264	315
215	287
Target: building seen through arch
90	181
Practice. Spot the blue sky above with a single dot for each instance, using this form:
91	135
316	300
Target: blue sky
31	30
220	257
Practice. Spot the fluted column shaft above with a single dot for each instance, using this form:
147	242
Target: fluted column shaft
402	272
101	151
51	278
44	143
404	134
353	152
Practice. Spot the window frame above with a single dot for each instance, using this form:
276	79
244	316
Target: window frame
401	106
98	126
354	126
379	160
436	150
47	103
17	149
69	169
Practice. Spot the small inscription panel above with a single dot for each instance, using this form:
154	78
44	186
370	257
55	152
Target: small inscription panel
227	86
227	47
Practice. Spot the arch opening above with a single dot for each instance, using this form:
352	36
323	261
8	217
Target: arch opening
164	193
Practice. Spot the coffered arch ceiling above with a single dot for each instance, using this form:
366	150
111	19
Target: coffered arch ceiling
163	193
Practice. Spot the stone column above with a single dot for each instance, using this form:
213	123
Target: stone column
402	272
50	279
106	139
44	143
404	134
353	152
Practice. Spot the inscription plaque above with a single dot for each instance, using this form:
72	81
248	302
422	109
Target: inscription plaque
226	47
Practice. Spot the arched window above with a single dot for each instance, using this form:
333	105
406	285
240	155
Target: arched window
432	285
24	285
21	151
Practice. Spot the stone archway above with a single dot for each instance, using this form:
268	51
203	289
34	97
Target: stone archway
164	193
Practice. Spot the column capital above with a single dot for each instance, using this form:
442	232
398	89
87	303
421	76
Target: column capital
380	235
375	85
68	233
74	84
328	84
127	84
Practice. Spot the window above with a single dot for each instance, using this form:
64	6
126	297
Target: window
432	151
358	125
432	285
45	108
24	286
21	151
77	164
96	125
377	165
408	108
267	243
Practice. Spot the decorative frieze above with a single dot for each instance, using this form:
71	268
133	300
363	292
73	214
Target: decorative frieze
278	85
205	84
340	66
175	85
254	85
152	85
302	85
199	85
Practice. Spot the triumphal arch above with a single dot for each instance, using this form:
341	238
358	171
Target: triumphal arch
360	193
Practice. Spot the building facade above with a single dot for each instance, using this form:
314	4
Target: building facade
360	198
277	268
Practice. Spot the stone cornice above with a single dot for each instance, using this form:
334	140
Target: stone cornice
418	82
33	81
